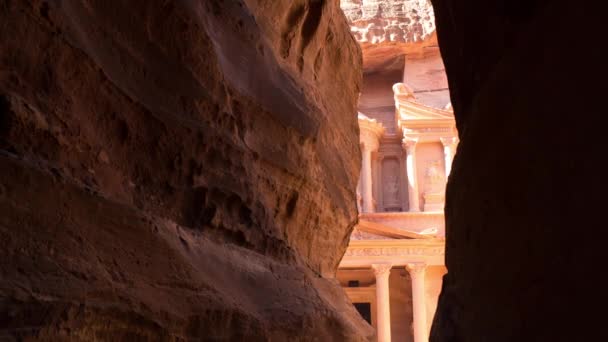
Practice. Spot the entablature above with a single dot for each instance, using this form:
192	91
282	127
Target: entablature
363	253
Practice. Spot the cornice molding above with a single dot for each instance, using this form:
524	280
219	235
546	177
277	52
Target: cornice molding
398	214
414	247
415	117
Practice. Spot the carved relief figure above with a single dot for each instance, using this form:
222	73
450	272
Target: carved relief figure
391	188
434	178
390	184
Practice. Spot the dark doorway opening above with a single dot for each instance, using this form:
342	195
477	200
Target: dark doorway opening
365	310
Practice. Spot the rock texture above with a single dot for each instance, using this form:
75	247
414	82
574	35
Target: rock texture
389	29
390	21
176	170
526	230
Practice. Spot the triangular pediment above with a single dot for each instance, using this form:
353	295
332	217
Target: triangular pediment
368	230
409	110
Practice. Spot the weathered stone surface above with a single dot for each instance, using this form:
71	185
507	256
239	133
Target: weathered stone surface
526	231
389	29
176	170
386	21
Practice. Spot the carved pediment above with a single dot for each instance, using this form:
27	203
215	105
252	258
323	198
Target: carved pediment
410	110
412	113
368	230
358	234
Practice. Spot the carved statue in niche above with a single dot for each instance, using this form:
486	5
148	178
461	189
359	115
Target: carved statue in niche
434	178
434	186
390	185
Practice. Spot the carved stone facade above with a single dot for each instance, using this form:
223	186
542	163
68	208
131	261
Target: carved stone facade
394	251
406	171
408	140
390	176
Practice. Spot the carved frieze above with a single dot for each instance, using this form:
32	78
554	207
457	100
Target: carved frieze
360	235
394	251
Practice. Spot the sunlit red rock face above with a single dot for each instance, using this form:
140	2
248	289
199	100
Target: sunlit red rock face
397	21
526	223
178	170
389	29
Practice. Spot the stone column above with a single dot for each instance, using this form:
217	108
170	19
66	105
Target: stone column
370	132
366	179
417	273
412	181
449	148
382	272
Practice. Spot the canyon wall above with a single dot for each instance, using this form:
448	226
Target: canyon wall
179	170
526	236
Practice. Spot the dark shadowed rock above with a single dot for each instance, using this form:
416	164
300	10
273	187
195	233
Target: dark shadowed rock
526	231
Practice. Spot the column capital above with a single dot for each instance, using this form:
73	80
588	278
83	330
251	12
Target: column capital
409	144
369	146
415	269
370	140
382	269
449	141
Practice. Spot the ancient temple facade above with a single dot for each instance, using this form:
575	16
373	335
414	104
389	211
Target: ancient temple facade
393	267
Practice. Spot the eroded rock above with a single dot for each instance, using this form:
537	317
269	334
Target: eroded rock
177	170
390	21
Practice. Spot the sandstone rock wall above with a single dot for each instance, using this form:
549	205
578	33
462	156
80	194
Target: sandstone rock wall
176	170
390	21
526	237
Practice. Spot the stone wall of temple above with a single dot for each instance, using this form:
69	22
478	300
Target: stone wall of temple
425	74
377	98
177	170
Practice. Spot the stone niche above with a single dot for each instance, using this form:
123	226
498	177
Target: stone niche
390	180
391	184
431	175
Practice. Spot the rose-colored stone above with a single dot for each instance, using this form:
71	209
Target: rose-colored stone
390	21
177	170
